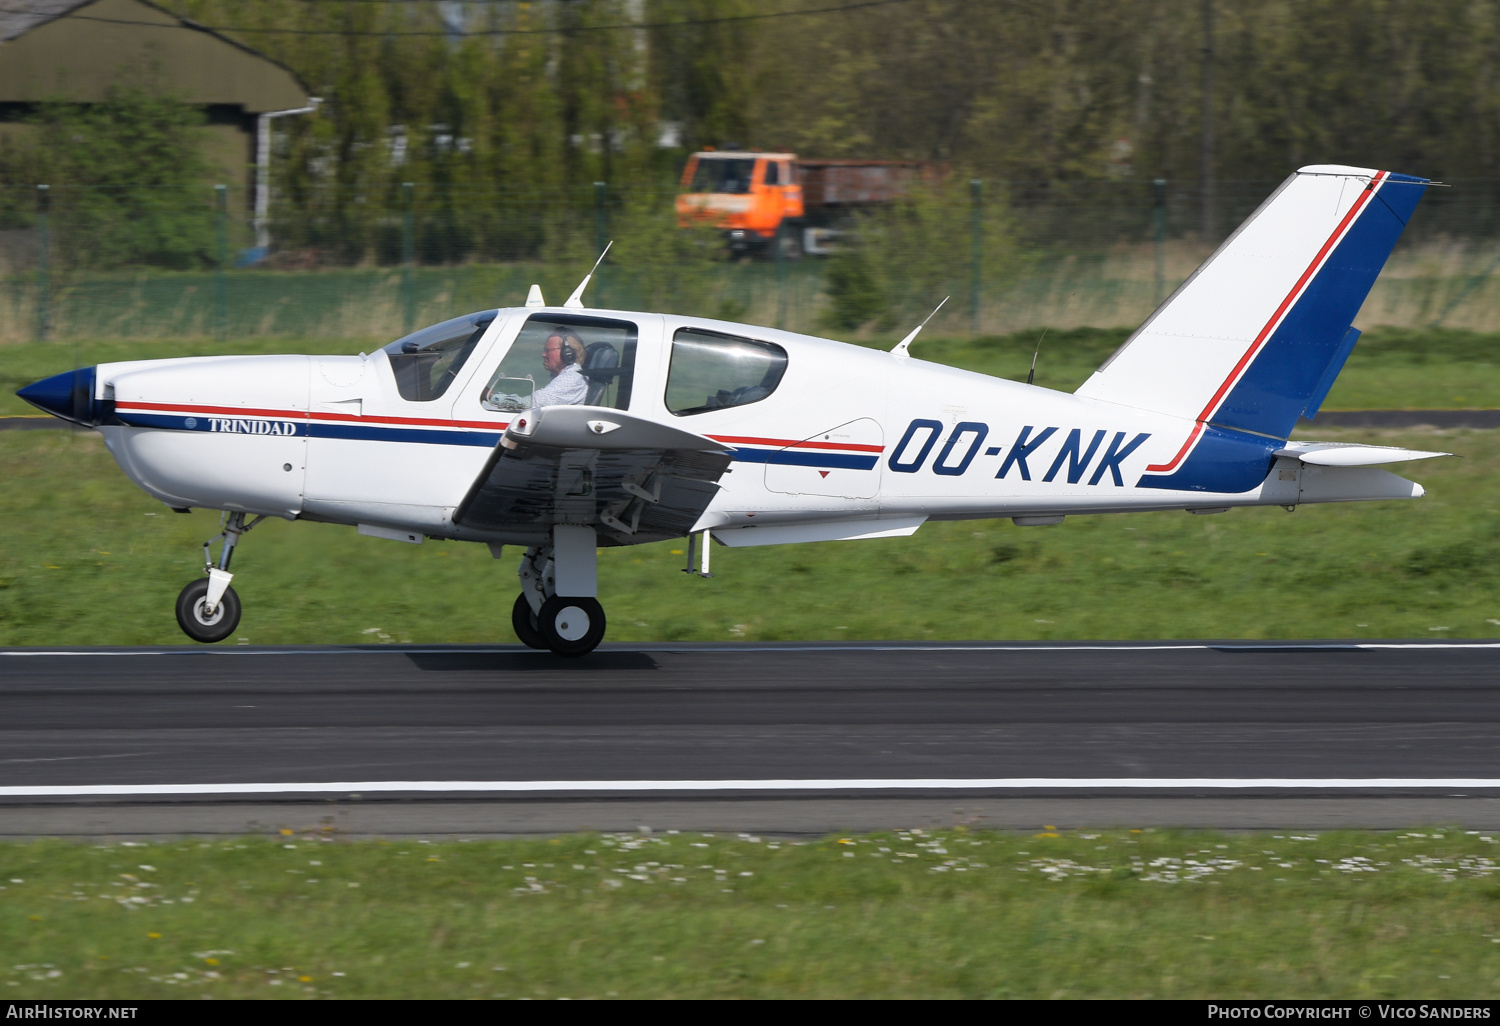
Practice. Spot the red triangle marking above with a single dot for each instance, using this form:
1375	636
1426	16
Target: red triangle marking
823	473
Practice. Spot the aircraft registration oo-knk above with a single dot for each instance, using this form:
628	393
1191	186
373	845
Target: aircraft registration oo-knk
562	430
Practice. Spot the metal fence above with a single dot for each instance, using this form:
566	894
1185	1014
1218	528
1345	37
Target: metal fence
80	263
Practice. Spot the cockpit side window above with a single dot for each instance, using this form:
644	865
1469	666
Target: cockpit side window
711	371
426	362
593	364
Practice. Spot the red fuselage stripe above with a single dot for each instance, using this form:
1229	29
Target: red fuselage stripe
1265	332
786	443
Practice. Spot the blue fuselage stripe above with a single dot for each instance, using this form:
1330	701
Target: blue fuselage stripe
807	458
424	436
431	436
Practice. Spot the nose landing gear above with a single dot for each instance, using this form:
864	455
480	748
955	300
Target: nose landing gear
209	610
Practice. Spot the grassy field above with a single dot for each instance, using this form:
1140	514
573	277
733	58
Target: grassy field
1391	368
950	913
78	537
86	558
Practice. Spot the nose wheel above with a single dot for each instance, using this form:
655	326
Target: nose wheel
203	623
208	610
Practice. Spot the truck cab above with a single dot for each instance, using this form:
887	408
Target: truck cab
746	194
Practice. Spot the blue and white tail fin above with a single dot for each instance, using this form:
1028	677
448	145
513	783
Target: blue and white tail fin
1255	337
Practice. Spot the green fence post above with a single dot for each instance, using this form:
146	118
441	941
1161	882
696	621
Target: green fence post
408	256
780	245
43	262
976	191
1159	234
221	246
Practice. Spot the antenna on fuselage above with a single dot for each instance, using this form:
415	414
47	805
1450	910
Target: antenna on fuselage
899	350
575	301
534	297
1032	373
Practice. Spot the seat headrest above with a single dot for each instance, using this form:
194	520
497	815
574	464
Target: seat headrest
601	361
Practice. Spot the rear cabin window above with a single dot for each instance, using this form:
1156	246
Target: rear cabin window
711	371
427	361
597	367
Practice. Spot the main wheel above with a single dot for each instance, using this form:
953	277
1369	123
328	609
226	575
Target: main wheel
523	622
196	623
571	626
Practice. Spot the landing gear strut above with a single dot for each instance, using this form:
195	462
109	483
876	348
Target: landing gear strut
209	610
557	608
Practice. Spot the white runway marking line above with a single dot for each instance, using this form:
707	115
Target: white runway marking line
365	787
753	649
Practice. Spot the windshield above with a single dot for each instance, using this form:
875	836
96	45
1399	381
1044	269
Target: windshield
427	361
719	174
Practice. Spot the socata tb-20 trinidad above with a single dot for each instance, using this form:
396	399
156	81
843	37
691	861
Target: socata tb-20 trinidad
561	430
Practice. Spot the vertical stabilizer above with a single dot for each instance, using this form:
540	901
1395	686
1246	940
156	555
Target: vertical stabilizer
1250	341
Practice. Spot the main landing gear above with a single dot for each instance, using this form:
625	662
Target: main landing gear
209	610
557	608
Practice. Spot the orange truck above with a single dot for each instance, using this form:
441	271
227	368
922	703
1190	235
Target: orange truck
764	200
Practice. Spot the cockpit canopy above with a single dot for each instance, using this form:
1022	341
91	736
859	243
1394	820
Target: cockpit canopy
427	361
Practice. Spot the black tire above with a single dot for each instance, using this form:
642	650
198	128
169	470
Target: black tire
572	626
523	622
791	245
190	613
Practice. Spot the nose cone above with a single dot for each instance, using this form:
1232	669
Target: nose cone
69	395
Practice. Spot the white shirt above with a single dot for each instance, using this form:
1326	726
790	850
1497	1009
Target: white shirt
569	388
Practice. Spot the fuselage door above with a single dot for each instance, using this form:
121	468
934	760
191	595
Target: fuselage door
843	462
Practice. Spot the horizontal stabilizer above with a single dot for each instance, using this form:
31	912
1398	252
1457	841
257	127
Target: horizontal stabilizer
1347	454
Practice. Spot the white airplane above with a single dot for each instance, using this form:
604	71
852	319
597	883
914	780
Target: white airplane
562	430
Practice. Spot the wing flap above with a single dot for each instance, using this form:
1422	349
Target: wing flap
633	480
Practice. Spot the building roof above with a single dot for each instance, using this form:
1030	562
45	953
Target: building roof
79	49
19	16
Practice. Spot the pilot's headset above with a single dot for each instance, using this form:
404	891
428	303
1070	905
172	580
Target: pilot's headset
572	348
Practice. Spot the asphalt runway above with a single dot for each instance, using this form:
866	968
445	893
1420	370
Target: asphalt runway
791	738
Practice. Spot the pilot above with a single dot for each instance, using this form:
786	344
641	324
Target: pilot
562	355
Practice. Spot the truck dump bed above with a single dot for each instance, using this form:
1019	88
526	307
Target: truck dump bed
852	183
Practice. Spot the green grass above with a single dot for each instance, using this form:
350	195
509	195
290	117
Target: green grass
950	913
86	558
1391	368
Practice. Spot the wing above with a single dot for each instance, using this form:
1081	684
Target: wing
632	480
